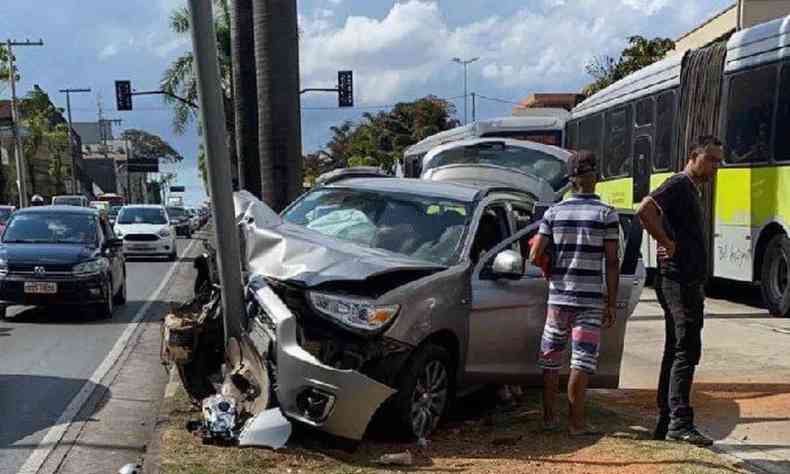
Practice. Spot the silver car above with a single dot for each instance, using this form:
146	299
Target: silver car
394	294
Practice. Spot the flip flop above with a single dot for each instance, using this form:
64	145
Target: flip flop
585	433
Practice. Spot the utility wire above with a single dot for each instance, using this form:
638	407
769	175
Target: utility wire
494	99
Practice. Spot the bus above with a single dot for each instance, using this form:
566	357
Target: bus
545	125
739	90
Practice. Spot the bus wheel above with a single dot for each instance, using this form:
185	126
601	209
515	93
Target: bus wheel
775	271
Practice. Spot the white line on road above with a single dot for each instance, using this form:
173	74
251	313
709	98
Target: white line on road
55	434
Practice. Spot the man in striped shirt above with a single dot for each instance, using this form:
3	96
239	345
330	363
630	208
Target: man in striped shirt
583	232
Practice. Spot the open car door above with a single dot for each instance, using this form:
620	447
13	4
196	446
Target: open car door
632	278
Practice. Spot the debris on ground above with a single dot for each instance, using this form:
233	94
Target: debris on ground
397	459
131	468
269	429
219	418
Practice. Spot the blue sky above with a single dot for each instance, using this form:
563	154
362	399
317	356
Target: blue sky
399	50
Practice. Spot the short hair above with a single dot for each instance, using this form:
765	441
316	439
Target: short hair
702	144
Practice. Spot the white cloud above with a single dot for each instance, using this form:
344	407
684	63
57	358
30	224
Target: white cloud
335	2
543	47
108	51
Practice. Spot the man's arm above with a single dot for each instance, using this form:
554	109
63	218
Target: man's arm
537	250
612	281
650	216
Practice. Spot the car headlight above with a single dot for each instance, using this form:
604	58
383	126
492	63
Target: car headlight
91	268
118	233
356	313
164	233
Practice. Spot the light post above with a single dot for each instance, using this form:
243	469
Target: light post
72	149
465	63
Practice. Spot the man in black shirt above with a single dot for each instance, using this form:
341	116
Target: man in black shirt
673	216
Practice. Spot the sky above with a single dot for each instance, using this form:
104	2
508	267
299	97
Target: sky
398	50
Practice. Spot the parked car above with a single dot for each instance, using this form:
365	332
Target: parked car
70	200
61	255
180	219
5	214
194	219
404	292
146	231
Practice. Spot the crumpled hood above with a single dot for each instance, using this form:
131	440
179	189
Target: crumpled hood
284	251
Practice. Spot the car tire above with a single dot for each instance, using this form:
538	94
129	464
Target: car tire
173	256
425	387
120	296
3	311
775	272
104	309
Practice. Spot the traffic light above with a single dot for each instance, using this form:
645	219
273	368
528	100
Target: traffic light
345	89
123	95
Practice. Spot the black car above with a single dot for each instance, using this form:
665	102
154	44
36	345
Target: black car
180	220
61	255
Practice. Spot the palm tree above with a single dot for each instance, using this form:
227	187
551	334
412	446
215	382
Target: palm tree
277	62
179	79
246	103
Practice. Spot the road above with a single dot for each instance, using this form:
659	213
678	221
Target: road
47	357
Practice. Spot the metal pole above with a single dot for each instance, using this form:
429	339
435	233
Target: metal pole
473	107
466	99
212	118
21	182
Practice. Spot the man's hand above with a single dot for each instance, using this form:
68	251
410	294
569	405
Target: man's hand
666	250
609	316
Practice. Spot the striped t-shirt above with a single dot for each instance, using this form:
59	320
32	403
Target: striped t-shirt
578	227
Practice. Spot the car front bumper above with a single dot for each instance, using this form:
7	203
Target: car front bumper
340	402
70	291
160	247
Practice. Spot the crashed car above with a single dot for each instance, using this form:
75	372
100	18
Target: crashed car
391	296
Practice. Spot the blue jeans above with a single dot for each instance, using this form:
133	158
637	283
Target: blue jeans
683	306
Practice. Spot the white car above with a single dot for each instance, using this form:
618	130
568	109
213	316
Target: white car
146	230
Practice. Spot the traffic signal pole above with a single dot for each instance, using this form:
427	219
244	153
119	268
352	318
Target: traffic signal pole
212	118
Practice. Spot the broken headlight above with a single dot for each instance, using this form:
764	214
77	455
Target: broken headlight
355	313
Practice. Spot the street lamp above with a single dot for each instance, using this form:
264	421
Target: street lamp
465	63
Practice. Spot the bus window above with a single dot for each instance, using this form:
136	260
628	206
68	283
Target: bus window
782	139
618	143
571	135
750	116
644	113
665	125
590	135
545	137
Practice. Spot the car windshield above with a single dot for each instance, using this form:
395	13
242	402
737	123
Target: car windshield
549	167
62	228
67	201
176	213
5	213
426	228
142	215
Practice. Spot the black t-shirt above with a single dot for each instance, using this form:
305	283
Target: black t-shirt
680	202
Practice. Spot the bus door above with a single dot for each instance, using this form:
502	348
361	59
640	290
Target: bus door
643	165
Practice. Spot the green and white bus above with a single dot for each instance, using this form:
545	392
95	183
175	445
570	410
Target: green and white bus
642	126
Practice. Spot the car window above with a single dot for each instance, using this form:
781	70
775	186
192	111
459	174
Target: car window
492	229
4	215
42	227
142	215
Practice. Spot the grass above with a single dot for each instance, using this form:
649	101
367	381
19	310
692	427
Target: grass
478	437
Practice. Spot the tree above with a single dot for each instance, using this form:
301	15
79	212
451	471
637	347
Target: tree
639	53
59	156
147	146
380	139
46	127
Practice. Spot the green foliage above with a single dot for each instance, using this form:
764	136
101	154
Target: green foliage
380	139
46	127
147	146
639	53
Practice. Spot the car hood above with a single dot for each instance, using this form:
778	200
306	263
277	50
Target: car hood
288	252
492	175
140	228
53	254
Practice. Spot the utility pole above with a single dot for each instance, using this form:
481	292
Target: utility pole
21	181
465	63
473	107
73	153
212	118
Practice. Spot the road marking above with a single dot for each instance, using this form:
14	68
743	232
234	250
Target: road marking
50	441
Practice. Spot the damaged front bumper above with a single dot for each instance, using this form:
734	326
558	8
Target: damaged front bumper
340	402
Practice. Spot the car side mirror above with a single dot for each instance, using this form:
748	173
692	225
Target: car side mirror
508	264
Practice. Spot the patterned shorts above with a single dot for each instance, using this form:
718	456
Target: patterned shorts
584	327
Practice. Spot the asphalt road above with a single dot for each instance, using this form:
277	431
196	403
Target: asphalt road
46	357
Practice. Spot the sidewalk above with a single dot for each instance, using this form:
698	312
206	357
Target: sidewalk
742	389
121	420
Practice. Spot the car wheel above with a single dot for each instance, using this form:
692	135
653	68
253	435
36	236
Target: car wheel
774	279
120	296
424	390
173	256
3	310
104	309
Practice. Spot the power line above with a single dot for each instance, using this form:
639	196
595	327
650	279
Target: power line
494	99
383	106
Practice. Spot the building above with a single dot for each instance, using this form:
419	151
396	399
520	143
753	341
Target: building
565	101
741	14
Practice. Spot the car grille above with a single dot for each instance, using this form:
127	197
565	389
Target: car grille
141	237
30	268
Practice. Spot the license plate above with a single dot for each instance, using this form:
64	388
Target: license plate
41	288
